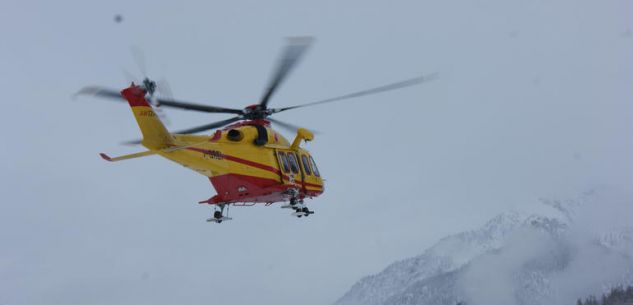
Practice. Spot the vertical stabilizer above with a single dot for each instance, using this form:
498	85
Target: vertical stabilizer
155	135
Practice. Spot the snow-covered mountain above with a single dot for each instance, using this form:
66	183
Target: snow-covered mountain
513	259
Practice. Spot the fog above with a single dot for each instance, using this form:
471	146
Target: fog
589	256
533	100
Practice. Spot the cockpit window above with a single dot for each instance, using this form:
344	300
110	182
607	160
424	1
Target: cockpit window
306	164
314	167
294	166
284	161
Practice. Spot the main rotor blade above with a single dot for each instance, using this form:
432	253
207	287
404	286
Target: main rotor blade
139	59
388	87
129	77
287	126
292	53
209	126
195	129
132	142
115	94
100	92
163	87
196	107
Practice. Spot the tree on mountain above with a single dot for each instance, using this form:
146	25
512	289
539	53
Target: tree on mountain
617	296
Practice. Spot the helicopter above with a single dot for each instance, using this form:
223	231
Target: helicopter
245	159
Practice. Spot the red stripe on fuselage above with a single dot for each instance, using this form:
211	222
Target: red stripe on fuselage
238	160
313	185
253	164
250	163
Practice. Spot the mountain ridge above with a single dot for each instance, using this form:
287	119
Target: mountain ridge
530	253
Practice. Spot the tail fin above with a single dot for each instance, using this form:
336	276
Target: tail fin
155	135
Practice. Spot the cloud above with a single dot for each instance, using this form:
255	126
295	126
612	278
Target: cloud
536	263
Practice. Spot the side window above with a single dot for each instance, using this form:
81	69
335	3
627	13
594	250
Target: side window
306	164
314	168
294	166
284	161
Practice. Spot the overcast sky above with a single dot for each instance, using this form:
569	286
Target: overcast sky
534	99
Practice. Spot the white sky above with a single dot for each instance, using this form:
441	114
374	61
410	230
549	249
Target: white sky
534	100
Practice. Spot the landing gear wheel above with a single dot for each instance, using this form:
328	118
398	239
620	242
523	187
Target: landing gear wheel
218	214
306	211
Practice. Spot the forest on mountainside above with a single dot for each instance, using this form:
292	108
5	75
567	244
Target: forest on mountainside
617	296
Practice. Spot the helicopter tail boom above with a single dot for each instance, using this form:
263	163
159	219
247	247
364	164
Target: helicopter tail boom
155	135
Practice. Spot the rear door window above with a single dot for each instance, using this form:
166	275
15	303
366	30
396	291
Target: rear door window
284	162
294	166
306	164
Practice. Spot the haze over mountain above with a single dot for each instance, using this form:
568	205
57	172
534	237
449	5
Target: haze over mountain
573	248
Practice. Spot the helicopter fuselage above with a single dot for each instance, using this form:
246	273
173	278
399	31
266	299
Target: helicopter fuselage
246	162
242	171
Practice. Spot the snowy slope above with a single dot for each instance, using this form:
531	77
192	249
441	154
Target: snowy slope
512	259
448	255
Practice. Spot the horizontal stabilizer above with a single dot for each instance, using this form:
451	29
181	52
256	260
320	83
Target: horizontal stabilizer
130	156
150	152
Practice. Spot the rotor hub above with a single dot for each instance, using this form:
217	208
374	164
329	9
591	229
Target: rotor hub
256	112
149	86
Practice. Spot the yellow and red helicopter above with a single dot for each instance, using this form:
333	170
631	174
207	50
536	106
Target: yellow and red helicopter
247	161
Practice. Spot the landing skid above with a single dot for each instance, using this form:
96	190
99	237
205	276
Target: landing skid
219	220
302	213
218	215
299	207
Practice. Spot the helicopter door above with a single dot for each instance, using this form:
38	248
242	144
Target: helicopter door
290	172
